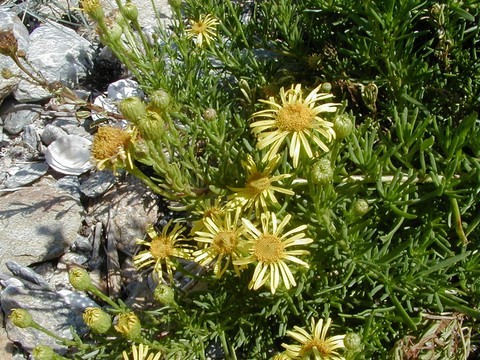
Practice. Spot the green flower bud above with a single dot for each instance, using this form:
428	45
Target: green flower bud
209	114
21	318
352	342
128	324
115	32
151	126
322	172
45	352
360	207
79	279
160	99
343	126
164	294
132	108
130	11
326	87
97	320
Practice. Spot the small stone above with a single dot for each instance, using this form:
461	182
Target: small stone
27	174
98	183
30	137
16	121
51	133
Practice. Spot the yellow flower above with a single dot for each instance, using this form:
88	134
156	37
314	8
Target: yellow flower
269	249
94	9
222	237
128	324
206	208
162	249
315	345
141	353
296	119
258	192
203	30
110	147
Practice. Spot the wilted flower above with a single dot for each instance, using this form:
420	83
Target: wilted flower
315	345
296	119
110	147
8	43
203	30
268	249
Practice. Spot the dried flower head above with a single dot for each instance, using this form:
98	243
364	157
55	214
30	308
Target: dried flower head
315	345
110	147
94	9
204	30
295	118
268	248
8	43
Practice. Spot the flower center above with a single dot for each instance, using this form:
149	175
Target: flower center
161	247
257	183
108	142
199	27
321	345
294	117
225	242
268	249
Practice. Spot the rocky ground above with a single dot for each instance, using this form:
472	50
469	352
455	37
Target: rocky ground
56	210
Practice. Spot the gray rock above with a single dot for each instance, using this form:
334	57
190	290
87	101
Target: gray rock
53	217
14	122
82	244
30	137
27	175
59	54
71	185
27	274
51	133
126	211
98	183
71	126
47	309
9	20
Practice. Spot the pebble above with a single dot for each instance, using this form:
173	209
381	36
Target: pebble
98	183
15	122
51	133
30	137
27	174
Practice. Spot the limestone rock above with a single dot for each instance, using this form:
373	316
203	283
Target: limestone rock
37	223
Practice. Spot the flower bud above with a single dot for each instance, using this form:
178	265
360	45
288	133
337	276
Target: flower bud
164	294
44	352
132	108
21	318
97	320
79	279
130	11
326	87
352	342
160	99
209	114
7	73
322	172
128	324
360	207
343	126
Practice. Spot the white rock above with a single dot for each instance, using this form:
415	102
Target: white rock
60	55
69	155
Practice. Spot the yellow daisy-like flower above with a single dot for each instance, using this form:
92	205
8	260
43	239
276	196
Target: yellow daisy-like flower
141	353
162	249
222	237
259	192
294	119
269	249
203	30
315	345
206	209
110	148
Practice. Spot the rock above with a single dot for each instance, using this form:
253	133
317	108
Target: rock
71	185
51	133
30	137
71	126
126	211
9	20
14	122
53	218
124	88
98	183
59	54
27	174
48	309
